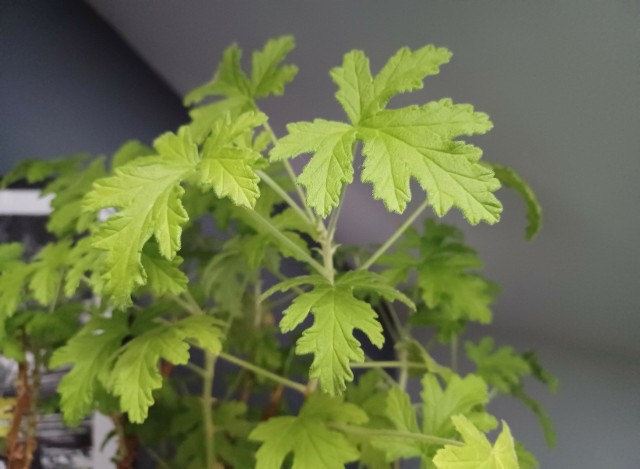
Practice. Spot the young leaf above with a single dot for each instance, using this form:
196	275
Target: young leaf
502	368
509	178
136	374
228	167
505	370
418	142
526	459
461	396
449	287
539	373
229	80
477	452
332	164
267	77
355	85
400	412
147	191
330	339
308	436
405	71
412	142
163	276
203	118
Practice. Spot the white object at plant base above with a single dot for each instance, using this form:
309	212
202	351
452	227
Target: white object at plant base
24	202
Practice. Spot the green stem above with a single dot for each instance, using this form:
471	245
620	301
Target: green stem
389	364
454	353
276	233
286	298
207	415
372	364
285	196
385	433
333	220
196	369
194	304
404	369
326	244
394	237
262	372
186	306
289	170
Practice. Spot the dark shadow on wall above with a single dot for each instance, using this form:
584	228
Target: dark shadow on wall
69	83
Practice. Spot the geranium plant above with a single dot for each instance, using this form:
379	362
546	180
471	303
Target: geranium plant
207	245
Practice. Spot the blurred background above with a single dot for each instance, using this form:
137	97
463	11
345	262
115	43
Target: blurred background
560	80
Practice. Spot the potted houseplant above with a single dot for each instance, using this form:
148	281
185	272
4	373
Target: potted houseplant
207	241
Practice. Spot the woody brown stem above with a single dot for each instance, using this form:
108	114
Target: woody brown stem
17	449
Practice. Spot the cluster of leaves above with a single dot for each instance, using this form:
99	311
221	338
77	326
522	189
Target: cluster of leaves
165	249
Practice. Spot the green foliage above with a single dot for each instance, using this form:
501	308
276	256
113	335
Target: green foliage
91	353
337	312
399	144
451	289
477	451
239	92
166	260
308	436
135	373
505	371
509	178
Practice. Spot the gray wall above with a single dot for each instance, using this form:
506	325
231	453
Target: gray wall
561	81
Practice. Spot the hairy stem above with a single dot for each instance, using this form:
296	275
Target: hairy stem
285	196
207	415
289	170
326	243
262	372
380	369
385	433
335	215
394	237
